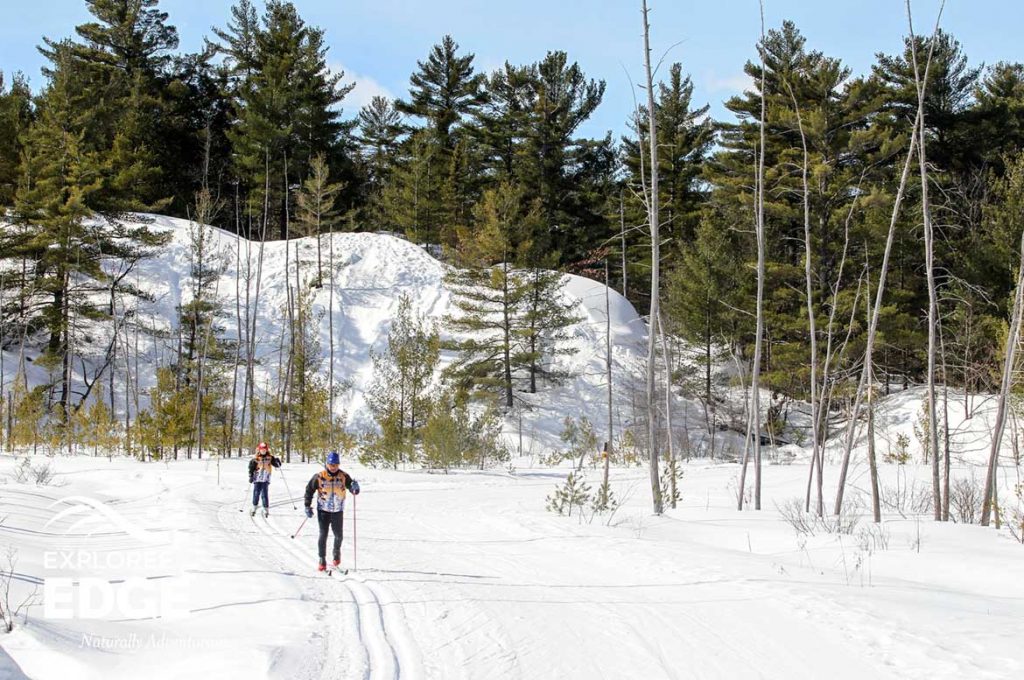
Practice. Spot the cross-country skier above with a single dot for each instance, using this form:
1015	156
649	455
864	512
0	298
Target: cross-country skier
329	485
260	468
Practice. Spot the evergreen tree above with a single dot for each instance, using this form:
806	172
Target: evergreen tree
444	90
685	135
700	296
400	395
547	320
316	212
411	200
502	122
809	99
554	164
490	296
380	135
15	116
286	99
309	428
114	74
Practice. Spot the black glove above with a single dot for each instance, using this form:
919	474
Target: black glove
355	487
309	511
251	479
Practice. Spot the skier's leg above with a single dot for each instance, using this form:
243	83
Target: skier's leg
324	518
266	495
337	524
255	494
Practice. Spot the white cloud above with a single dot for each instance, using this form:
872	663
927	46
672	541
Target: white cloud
735	83
366	89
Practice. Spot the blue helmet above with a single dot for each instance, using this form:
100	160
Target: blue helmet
333	458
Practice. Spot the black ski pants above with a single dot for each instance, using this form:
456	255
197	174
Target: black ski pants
332	521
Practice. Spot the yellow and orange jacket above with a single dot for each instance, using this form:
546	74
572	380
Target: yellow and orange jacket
261	466
330	490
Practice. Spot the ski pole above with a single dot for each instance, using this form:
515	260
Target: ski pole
248	493
290	497
355	564
300	528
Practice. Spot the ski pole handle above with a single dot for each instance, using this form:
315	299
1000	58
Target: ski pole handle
300	527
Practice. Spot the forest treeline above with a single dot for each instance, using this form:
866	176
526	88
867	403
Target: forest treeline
252	134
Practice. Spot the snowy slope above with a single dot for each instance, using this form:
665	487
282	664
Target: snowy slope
372	271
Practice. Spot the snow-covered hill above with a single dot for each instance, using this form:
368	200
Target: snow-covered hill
372	271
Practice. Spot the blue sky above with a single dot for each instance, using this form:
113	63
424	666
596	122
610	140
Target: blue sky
377	42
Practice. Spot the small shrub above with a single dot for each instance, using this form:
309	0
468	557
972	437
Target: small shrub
900	453
671	480
9	611
965	498
810	524
40	475
604	501
906	499
574	492
873	537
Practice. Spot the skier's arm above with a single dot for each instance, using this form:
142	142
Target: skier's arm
310	490
252	469
351	484
276	462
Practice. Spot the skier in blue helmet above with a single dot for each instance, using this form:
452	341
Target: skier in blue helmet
329	486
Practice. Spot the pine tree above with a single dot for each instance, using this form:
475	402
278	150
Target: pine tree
403	373
380	134
311	424
411	201
53	206
15	116
316	208
287	101
685	135
115	74
555	167
547	320
490	297
444	90
700	296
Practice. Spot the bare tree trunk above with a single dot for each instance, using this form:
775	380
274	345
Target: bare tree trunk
811	325
608	375
876	506
286	425
754	426
668	413
945	427
622	235
873	327
990	503
250	381
929	259
238	326
652	215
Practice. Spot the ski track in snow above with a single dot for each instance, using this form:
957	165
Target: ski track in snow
389	650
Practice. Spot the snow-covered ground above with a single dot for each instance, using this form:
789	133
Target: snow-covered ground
467	576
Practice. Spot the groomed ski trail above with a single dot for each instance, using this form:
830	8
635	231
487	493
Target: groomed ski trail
390	651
